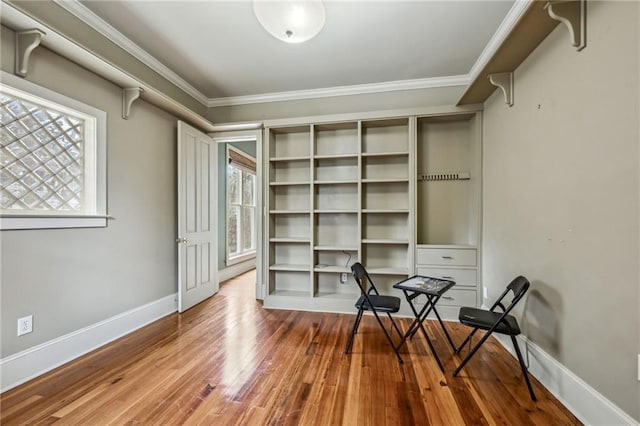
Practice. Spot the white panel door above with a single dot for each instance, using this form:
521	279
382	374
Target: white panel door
197	217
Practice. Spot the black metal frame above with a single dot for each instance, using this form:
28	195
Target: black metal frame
519	287
359	272
430	305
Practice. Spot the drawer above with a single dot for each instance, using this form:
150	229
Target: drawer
462	277
458	297
445	256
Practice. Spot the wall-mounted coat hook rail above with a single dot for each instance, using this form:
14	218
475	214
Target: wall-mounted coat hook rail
444	176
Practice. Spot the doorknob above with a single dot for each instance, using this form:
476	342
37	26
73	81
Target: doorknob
182	240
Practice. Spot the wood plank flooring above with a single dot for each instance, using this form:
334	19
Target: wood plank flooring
227	361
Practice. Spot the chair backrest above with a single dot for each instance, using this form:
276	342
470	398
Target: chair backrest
363	279
519	286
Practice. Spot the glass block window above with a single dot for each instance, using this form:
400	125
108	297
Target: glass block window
48	157
42	157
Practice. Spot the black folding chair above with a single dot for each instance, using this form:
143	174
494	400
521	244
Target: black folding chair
372	300
496	322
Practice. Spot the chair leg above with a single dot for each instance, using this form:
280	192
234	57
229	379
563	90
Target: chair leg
472	352
386	333
354	330
457	351
525	371
394	324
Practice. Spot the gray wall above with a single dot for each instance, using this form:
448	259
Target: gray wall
561	199
248	148
69	279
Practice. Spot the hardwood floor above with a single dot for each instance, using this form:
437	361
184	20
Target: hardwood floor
227	361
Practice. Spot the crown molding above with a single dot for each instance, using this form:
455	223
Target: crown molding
81	12
356	89
87	16
498	38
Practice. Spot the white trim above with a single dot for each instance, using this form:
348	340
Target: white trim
230	261
30	363
586	403
235	270
81	12
16	19
50	222
498	38
356	89
232	127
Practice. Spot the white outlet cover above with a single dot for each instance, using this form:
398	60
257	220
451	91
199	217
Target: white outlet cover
25	325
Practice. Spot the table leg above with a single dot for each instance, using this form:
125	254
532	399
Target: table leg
446	333
417	323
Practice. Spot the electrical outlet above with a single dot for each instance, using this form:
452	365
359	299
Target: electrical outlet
25	325
344	277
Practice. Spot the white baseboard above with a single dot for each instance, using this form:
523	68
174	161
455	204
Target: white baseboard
587	404
235	270
30	363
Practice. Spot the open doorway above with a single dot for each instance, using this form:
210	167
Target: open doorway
238	204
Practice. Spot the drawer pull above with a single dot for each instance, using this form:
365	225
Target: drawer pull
447	257
446	277
448	298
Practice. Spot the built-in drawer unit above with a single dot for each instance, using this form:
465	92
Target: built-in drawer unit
462	277
458	297
446	256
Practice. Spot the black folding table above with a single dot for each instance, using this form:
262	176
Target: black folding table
433	289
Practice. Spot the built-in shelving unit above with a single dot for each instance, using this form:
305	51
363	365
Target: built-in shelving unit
448	204
346	191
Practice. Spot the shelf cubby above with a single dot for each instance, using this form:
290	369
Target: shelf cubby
290	197
290	172
386	258
386	167
385	195
290	256
336	169
336	230
290	283
386	226
329	286
337	197
290	142
336	139
385	136
290	226
334	261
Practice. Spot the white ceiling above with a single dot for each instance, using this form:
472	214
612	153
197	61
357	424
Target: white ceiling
220	49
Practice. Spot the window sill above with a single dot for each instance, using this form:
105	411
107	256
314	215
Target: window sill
17	222
241	258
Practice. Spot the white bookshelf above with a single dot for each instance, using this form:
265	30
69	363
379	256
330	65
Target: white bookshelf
341	191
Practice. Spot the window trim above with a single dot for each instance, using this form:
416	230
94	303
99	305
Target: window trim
250	254
97	215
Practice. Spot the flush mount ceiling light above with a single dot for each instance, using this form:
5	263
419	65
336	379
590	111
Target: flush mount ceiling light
293	21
